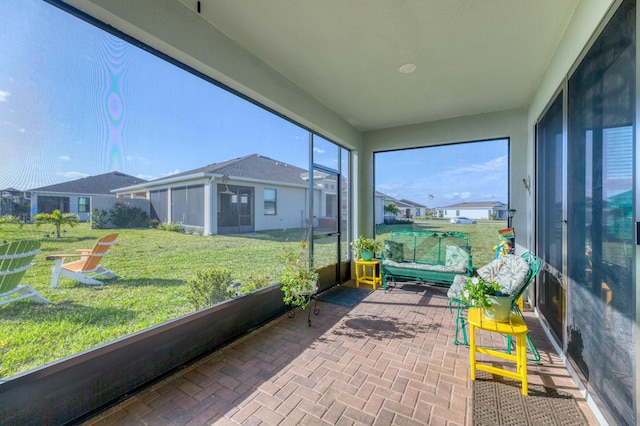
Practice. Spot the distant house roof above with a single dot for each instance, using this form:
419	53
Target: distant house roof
11	191
96	185
252	166
477	205
411	203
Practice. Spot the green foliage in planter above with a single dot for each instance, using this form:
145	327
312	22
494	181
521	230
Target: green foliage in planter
209	287
475	291
361	244
298	277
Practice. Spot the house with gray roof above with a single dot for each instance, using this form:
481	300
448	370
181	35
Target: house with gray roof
412	209
245	194
79	196
475	210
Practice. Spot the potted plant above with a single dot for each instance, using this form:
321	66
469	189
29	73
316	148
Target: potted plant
365	247
299	281
489	296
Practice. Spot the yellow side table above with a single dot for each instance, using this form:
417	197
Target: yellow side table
368	272
515	327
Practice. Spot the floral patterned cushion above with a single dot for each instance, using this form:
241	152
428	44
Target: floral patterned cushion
456	287
509	270
394	251
457	256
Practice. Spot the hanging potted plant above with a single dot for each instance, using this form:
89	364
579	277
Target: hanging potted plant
489	296
299	281
365	248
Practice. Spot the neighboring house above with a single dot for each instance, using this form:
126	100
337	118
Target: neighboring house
475	210
76	196
412	209
246	194
380	202
13	202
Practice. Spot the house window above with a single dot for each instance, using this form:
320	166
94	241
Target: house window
457	212
84	205
269	201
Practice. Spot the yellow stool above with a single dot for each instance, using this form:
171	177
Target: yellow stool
515	327
368	272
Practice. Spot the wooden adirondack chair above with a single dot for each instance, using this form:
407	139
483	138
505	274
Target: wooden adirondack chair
88	267
15	259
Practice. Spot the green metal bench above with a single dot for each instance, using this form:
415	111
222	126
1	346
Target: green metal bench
430	256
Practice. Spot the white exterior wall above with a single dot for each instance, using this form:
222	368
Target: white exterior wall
291	207
470	213
378	208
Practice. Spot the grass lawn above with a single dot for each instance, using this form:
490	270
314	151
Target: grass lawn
154	266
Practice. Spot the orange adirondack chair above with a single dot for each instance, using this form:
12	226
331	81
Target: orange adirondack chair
88	267
15	259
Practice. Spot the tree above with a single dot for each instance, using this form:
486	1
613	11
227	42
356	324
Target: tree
391	208
57	219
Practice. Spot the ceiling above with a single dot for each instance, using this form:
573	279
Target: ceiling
472	56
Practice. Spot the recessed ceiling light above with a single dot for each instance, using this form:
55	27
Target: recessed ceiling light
407	68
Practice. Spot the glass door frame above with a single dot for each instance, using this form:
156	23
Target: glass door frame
330	274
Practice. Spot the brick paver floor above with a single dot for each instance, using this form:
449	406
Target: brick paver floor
388	360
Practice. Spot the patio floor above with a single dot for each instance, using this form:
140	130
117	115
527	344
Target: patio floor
388	360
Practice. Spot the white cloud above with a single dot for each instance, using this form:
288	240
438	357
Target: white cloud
64	158
318	150
147	177
494	166
4	95
175	172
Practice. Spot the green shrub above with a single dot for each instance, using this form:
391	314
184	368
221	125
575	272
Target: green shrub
255	282
11	219
172	226
122	215
98	219
209	287
154	223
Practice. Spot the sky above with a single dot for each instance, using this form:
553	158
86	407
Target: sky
76	101
443	175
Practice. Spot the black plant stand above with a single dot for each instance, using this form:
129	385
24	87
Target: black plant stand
316	310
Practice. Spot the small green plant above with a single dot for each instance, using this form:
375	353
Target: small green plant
209	287
361	244
99	219
154	223
475	292
172	226
298	279
57	219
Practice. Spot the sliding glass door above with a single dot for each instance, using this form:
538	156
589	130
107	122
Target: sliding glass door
585	221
